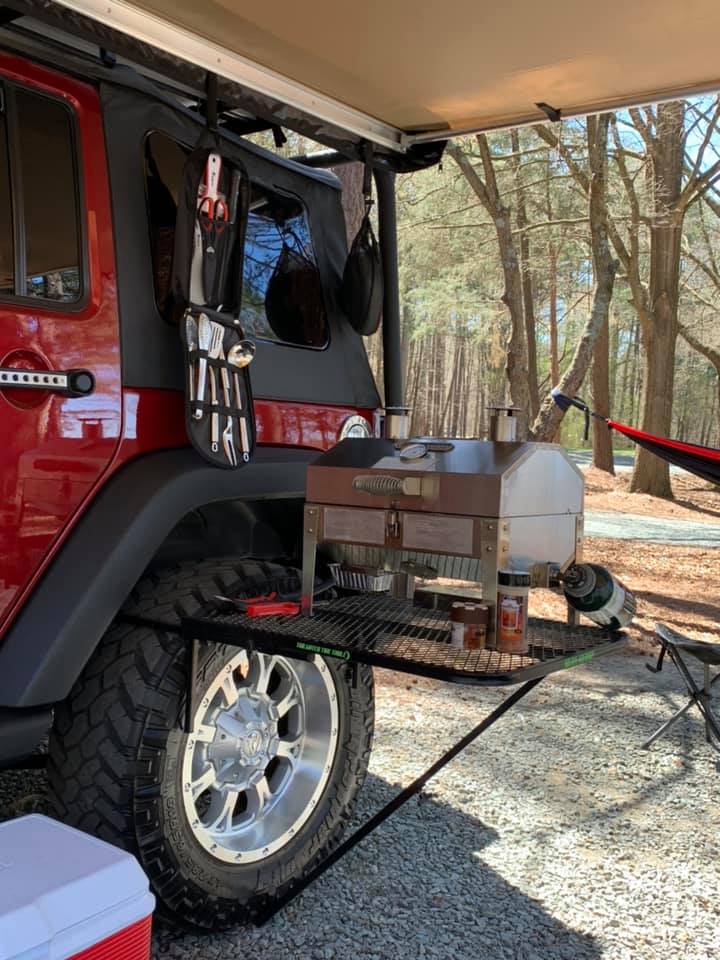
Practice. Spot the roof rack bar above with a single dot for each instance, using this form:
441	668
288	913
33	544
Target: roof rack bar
210	56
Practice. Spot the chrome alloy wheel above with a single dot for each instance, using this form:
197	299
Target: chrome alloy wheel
260	755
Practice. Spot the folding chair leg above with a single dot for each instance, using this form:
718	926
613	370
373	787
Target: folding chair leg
666	726
706	690
701	698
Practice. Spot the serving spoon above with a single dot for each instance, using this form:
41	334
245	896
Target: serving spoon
239	356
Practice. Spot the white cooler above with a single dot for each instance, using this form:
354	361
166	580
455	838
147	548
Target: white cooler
65	894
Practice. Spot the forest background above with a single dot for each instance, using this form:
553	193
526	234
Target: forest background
584	253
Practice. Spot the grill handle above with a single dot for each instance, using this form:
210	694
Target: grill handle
380	485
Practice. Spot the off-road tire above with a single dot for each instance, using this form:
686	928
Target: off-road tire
117	739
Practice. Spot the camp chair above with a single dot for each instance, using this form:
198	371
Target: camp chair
678	648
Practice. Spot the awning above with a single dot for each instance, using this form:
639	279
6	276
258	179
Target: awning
399	72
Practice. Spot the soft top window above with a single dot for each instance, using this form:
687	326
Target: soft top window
281	289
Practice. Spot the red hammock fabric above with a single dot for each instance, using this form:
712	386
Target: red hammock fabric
702	461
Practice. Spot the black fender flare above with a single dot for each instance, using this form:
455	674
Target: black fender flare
53	636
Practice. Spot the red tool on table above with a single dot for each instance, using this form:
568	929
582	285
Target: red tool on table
269	605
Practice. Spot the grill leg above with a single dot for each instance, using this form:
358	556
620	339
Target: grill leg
415	787
310	542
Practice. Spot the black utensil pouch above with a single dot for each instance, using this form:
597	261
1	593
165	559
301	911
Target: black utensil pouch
205	295
225	409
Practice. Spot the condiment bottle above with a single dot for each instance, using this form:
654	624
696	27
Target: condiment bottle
512	608
469	625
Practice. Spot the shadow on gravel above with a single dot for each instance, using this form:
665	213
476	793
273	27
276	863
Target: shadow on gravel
417	888
710	611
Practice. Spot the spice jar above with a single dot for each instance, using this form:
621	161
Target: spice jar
512	608
468	622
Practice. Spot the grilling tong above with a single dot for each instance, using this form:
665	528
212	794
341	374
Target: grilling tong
207	336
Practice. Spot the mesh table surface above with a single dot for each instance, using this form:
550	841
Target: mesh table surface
396	634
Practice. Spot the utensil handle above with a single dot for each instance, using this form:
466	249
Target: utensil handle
215	418
236	385
202	377
244	439
226	385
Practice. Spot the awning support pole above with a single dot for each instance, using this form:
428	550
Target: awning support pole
392	353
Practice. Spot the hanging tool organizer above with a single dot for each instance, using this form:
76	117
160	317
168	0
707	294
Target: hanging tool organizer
206	299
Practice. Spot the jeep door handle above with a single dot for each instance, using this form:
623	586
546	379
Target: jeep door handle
70	383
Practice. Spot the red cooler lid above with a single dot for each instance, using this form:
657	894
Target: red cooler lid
62	891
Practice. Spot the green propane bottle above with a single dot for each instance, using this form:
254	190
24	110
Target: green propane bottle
597	594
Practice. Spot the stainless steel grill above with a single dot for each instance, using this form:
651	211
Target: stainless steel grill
466	507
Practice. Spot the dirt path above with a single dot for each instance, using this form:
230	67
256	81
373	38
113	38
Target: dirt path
673	530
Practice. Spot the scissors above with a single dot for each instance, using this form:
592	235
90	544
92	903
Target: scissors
213	214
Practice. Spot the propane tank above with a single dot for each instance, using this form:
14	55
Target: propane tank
597	594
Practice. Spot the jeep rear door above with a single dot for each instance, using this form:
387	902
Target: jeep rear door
58	312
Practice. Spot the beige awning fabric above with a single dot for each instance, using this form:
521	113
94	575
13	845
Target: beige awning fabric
436	68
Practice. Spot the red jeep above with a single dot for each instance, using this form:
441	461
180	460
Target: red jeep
109	516
105	507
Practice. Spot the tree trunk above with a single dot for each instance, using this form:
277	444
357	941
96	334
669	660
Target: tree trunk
651	474
350	176
552	294
486	190
659	336
604	270
601	438
710	353
527	283
548	420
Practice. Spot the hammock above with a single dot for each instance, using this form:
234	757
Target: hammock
702	461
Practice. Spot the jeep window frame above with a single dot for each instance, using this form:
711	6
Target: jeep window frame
8	89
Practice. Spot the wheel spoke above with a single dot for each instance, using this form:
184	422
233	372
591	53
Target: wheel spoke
265	666
289	750
290	699
220	814
229	690
200	784
203	733
258	796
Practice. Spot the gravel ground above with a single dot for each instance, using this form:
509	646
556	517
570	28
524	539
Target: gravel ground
554	835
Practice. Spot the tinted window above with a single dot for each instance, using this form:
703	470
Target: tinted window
7	266
49	205
281	293
164	161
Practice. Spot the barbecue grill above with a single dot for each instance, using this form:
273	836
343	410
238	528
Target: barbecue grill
463	508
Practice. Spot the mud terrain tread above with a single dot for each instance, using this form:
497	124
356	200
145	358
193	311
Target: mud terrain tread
108	745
